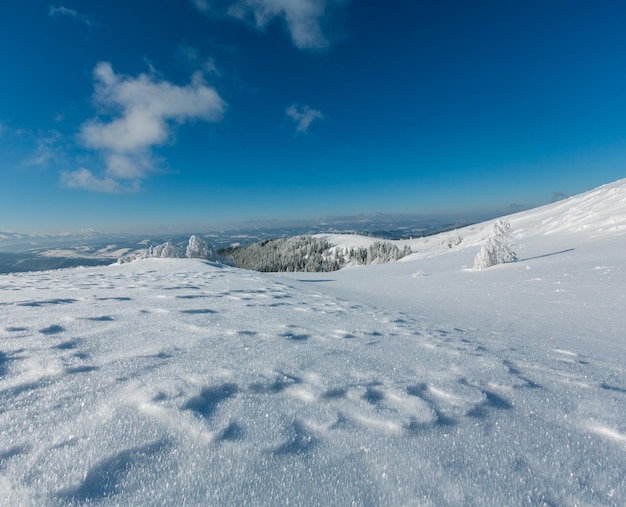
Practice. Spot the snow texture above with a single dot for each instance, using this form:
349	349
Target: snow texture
186	382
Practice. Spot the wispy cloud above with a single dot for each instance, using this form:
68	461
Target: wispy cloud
56	12
145	113
194	57
85	179
49	150
202	5
303	116
303	17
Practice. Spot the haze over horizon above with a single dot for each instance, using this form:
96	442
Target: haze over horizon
200	113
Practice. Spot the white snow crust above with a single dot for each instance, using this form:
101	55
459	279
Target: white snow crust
422	382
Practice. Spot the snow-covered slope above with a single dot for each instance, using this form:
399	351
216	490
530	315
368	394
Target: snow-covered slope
599	212
182	382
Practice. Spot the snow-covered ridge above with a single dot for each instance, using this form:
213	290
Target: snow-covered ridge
598	212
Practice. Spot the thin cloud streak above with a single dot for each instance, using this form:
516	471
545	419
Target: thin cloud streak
207	66
56	12
50	149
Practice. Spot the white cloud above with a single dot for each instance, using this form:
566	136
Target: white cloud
55	12
303	116
84	178
145	113
128	167
136	130
302	17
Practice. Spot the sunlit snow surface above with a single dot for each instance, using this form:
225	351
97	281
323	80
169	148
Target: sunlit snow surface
180	382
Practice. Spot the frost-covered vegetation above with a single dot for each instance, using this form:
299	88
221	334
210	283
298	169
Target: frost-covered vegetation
309	253
498	247
197	248
166	250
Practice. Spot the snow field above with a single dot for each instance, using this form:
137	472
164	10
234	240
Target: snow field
178	381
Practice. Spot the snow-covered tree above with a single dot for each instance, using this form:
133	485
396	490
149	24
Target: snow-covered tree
164	250
199	249
498	247
454	240
309	253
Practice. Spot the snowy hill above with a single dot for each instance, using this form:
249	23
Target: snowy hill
421	382
599	212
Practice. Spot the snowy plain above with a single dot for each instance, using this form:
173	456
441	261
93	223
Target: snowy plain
422	382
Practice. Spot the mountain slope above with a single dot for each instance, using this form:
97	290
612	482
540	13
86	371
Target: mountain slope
177	381
599	212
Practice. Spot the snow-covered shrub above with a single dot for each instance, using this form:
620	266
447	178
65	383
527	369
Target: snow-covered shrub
199	249
454	240
129	258
165	250
498	247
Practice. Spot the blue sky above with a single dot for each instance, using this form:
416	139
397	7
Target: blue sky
196	114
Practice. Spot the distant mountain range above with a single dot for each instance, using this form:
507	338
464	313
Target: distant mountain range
33	252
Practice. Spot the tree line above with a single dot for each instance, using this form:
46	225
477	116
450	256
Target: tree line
308	253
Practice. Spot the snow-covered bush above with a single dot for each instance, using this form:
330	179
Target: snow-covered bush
498	247
165	250
199	249
454	240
